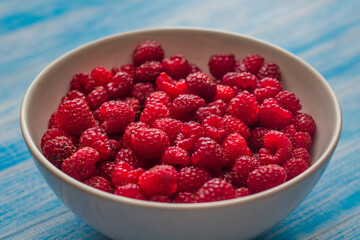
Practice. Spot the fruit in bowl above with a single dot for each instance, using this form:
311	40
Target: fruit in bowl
151	125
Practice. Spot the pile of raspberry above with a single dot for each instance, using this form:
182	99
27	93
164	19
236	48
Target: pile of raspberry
160	129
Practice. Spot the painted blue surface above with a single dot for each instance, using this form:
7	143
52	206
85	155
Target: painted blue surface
33	33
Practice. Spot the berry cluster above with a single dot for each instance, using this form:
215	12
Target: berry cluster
160	129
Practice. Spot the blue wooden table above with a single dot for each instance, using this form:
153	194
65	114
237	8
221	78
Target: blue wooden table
33	33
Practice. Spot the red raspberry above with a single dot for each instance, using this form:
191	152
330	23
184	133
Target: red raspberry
209	154
256	139
184	197
115	70
148	71
269	70
221	64
81	164
235	125
115	146
276	148
53	123
184	106
141	91
244	80
74	116
267	88
130	130
149	142
303	154
234	146
304	123
294	167
129	69
72	95
245	108
266	177
220	104
101	76
97	97
191	179
271	115
153	112
214	127
115	116
201	84
96	138
134	103
175	156
148	50
131	190
53	133
193	68
128	155
171	87
170	126
269	82
159	180
288	101
289	131
57	149
124	173
99	183
106	169
204	112
189	134
251	63
242	192
243	166
120	86
215	190
158	97
160	198
225	93
301	140
176	66
79	81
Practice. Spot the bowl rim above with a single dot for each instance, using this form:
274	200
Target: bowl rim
37	155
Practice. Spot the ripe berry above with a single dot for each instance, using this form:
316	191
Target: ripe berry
53	133
276	149
97	97
72	95
171	87
266	177
243	166
214	127
256	139
120	86
170	126
245	108
148	50
303	154
126	139
148	71
234	146
242	192
271	115
131	190
184	106
99	183
189	134
101	76
304	123
123	173
288	101
158	97
221	64
294	167
235	125
128	155
57	149
96	138
251	63
79	81
153	112
129	69
301	140
106	169
204	112
225	93
141	91
215	190
201	84
184	197
175	156
244	80
269	70
191	178
176	66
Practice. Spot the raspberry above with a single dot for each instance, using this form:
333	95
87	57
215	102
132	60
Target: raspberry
97	97
225	93
215	190
270	82
266	177
184	106
208	154
214	127
149	142
131	190
74	116
301	140
134	103
123	173
304	123
128	155
106	169
294	167
158	97
170	126
120	86
97	139
53	123
141	91
243	166
288	101
267	88
175	156
189	134
159	180
271	115
160	198
234	146
129	69
79	81
184	197
153	112
245	108
129	131
115	146
81	164
276	148
176	66
57	149
221	64
148	50
190	179
303	154
235	125
256	139
193	68
101	76
201	84
148	71
72	95
244	80
207	111
115	116
221	105
114	70
171	87
289	131
99	183
242	192
269	70
251	63
53	133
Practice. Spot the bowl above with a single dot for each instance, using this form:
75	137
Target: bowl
124	218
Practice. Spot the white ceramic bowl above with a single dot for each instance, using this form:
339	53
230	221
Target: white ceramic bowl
125	218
